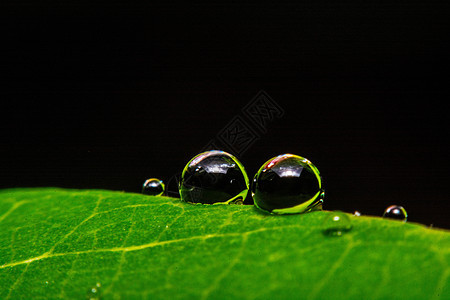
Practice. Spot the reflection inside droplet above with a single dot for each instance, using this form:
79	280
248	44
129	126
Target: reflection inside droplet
213	177
288	184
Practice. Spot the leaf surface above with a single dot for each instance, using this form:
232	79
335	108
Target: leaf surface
57	243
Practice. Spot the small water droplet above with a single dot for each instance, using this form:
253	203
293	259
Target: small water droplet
238	201
336	224
167	226
153	187
395	212
357	213
94	292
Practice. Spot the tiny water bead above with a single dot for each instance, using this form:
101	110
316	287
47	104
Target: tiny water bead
357	213
214	177
93	293
336	223
288	184
153	187
395	212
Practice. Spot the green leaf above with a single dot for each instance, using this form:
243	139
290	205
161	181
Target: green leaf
57	243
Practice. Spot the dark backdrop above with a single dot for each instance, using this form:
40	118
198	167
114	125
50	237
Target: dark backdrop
107	95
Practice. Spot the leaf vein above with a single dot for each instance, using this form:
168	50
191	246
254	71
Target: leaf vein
94	213
47	255
122	256
331	271
12	209
11	289
226	271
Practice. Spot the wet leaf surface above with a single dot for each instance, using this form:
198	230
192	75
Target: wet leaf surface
57	243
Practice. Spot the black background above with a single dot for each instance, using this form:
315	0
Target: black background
106	95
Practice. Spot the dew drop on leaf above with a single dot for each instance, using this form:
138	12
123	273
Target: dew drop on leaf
336	224
153	187
395	212
288	184
357	213
238	201
94	292
214	177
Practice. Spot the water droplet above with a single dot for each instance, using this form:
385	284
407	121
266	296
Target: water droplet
395	212
357	213
213	177
336	224
288	184
94	292
153	187
238	201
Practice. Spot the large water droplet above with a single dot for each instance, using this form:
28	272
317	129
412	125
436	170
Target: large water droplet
214	177
288	184
336	224
94	292
153	187
395	212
